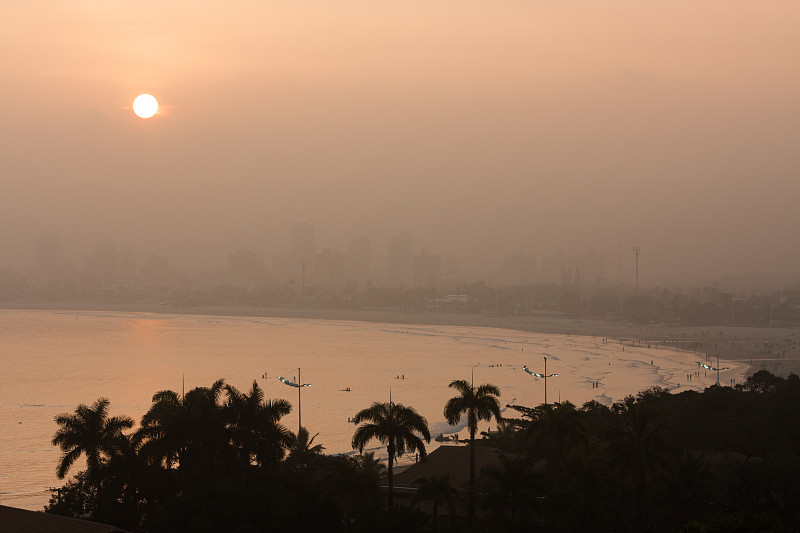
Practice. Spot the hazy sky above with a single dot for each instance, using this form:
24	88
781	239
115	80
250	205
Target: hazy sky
484	128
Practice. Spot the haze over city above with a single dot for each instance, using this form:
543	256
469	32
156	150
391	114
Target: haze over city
436	210
482	129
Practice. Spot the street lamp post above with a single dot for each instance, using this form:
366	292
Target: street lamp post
299	385
543	376
545	380
709	367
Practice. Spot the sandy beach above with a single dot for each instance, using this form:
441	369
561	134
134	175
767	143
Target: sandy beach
763	348
77	353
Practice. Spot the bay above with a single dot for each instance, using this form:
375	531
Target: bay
51	361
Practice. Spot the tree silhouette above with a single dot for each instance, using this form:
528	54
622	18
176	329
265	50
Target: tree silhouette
164	429
190	431
302	447
508	484
478	403
640	453
688	485
90	432
353	482
584	497
394	425
556	429
437	489
255	428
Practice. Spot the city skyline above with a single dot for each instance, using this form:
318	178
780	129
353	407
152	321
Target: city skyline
393	196
361	262
498	129
398	263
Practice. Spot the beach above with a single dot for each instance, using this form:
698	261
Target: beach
57	359
774	349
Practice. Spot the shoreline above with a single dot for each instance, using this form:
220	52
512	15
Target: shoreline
767	348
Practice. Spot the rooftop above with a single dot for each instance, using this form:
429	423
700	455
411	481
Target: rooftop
13	519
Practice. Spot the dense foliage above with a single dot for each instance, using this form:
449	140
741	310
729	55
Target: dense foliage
218	459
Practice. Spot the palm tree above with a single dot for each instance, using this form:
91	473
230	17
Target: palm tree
128	482
437	489
394	425
583	498
556	429
510	481
302	445
164	429
190	430
91	432
255	427
640	453
688	485
504	436
479	403
354	482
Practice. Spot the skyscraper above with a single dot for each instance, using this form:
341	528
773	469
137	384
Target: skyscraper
400	259
359	255
301	252
100	266
48	258
427	269
246	266
328	268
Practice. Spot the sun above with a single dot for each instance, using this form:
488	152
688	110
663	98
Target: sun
145	106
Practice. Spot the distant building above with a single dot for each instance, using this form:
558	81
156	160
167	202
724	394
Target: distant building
48	259
125	267
450	303
155	272
582	270
100	266
359	259
329	269
452	267
245	266
400	259
427	269
301	252
519	269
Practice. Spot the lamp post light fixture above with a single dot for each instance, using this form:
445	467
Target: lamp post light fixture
709	367
299	385
543	376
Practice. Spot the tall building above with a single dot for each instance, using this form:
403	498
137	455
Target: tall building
100	266
155	271
246	266
519	269
48	259
400	259
565	269
125	267
359	259
301	252
427	269
329	269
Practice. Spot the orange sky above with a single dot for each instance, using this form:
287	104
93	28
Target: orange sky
485	128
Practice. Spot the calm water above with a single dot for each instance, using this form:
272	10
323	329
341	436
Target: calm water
52	361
